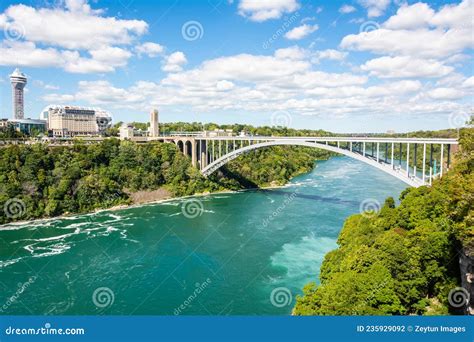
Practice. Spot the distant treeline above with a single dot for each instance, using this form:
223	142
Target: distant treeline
276	130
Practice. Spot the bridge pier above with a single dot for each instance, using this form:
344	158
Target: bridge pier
203	151
193	153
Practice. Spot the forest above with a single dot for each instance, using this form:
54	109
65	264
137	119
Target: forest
405	259
49	181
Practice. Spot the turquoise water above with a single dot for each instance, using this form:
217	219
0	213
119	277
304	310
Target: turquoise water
241	253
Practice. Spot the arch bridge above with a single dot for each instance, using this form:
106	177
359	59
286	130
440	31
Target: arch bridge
415	161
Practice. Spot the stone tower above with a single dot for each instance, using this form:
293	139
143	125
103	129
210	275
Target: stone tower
154	127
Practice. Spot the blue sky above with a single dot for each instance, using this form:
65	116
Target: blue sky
344	66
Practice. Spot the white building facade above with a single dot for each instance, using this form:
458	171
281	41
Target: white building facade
70	121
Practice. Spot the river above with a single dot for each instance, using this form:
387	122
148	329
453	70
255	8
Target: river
245	253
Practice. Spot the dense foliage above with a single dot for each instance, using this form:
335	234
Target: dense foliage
404	260
268	167
51	181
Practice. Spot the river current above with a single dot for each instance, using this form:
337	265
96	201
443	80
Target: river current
244	253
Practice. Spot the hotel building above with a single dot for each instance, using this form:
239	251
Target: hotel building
70	121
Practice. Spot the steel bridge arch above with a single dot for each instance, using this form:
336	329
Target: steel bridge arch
387	168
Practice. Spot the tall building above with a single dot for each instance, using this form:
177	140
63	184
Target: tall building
69	121
154	127
18	81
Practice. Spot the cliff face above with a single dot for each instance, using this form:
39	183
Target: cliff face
466	264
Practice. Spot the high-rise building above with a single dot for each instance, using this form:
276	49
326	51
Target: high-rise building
154	126
18	81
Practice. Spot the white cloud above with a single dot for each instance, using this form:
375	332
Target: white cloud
330	54
293	52
28	54
468	83
455	15
405	67
422	15
224	85
410	17
112	56
446	94
150	49
263	10
345	9
304	92
375	8
419	31
300	32
175	62
76	27
241	68
422	42
71	36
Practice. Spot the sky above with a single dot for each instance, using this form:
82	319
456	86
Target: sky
343	66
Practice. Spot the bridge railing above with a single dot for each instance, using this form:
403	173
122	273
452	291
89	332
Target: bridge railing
415	160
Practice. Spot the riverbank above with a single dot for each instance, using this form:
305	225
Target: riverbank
411	259
248	243
37	182
150	201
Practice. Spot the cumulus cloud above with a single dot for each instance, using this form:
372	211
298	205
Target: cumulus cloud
345	9
375	8
174	62
263	10
28	54
71	36
285	80
300	32
405	67
418	30
293	52
446	94
410	42
74	27
150	49
288	79
410	17
330	54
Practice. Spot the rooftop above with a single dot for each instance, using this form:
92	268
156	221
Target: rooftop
18	73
